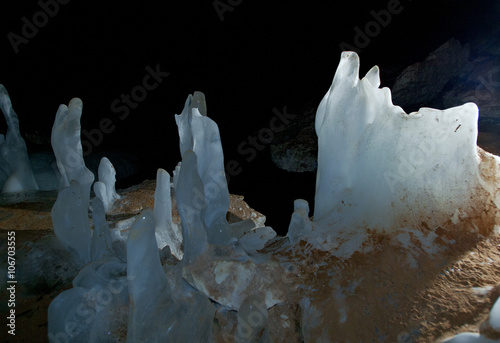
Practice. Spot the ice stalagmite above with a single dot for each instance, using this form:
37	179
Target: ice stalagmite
191	206
107	175
149	293
14	161
71	221
167	233
67	147
159	312
199	133
380	168
300	225
101	244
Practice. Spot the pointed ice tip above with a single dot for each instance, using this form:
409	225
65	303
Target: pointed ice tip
348	69
4	98
373	76
144	222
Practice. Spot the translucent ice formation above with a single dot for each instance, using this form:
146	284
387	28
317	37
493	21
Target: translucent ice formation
14	161
167	232
148	289
101	244
67	148
200	134
382	169
71	221
158	313
300	225
107	175
91	311
190	199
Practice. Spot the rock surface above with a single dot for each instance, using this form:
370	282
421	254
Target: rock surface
296	148
419	83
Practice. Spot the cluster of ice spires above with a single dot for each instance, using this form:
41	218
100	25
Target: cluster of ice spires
379	170
163	300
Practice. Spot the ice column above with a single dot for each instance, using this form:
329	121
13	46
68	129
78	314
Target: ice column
14	161
101	244
149	293
71	221
300	224
190	205
200	134
167	233
107	175
67	148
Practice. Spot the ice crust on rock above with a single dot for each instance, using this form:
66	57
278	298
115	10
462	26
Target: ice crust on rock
256	239
200	134
67	148
167	232
14	161
228	275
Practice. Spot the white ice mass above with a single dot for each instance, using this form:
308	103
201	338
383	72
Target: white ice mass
382	169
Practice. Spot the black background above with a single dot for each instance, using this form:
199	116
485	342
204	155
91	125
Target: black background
262	55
